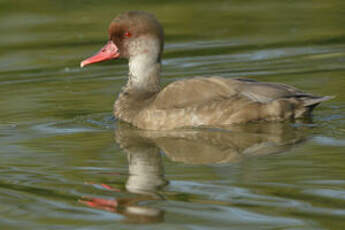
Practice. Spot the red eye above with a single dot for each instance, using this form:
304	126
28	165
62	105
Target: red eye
128	34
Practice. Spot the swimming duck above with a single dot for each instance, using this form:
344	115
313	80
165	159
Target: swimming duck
200	101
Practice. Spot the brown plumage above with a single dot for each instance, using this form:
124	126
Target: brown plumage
200	101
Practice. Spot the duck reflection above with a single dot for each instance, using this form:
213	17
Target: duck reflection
146	177
190	146
205	146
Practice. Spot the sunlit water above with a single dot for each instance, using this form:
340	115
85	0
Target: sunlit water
67	164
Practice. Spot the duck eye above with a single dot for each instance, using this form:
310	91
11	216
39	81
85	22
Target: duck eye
128	34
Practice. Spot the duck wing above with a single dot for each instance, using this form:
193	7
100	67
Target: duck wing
266	92
200	90
195	91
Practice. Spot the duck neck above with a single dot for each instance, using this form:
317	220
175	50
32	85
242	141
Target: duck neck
142	86
144	71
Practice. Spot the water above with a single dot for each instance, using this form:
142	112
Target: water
66	164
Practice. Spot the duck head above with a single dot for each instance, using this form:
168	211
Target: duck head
131	35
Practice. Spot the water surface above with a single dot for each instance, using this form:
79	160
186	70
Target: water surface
67	164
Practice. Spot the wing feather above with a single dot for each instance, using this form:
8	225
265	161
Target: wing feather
200	90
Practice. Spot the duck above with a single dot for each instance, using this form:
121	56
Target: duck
194	102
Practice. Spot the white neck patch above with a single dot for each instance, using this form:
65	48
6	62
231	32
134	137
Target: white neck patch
143	63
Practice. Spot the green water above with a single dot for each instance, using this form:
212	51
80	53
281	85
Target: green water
65	163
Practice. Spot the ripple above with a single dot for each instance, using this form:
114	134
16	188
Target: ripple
329	141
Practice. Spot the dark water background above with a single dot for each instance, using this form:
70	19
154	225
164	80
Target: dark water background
66	164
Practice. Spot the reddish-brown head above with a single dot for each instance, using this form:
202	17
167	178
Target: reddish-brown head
131	34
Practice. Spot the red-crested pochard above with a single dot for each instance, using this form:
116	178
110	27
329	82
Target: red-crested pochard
213	101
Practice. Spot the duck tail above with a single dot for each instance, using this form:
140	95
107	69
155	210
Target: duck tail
314	101
309	103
